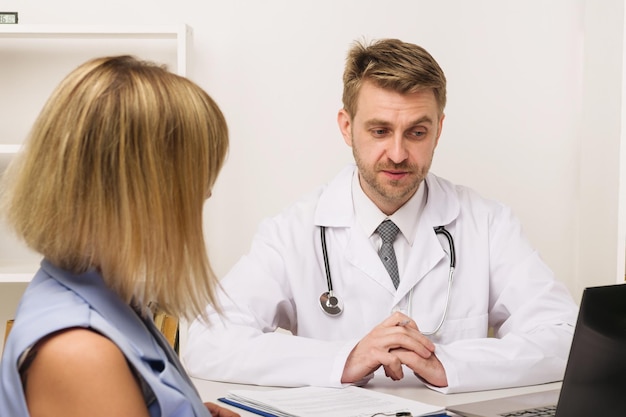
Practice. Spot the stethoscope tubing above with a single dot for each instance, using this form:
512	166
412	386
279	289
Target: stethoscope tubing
329	281
332	306
442	230
329	302
445	309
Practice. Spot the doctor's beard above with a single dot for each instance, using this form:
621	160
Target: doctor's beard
391	192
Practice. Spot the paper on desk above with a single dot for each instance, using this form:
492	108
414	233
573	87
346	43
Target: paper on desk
329	402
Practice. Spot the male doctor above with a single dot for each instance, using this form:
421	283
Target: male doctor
394	97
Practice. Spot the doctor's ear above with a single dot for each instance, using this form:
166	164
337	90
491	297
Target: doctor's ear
440	127
345	126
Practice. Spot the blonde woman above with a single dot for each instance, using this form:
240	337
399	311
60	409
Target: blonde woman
110	190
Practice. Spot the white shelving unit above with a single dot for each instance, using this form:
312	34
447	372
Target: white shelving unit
35	59
179	33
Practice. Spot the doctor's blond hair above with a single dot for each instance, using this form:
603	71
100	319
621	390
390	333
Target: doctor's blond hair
394	65
114	176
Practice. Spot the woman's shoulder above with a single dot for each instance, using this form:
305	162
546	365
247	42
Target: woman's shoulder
79	370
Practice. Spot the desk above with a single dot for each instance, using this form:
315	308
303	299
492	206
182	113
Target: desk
211	391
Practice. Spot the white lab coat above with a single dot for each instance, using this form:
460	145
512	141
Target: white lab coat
500	282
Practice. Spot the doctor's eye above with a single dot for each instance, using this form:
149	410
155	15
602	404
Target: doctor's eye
379	132
418	133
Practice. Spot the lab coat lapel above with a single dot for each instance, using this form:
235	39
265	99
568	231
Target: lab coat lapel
360	254
335	210
441	209
423	256
335	207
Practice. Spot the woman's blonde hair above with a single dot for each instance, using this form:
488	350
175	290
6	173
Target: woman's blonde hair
114	177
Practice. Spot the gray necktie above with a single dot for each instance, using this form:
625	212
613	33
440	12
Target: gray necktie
388	232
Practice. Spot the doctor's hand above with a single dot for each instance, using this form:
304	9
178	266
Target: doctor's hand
377	349
429	369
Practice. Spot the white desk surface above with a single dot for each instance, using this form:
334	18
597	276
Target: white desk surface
211	391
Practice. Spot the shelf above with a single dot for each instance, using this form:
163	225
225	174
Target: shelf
15	278
20	271
172	31
180	33
58	48
6	154
10	148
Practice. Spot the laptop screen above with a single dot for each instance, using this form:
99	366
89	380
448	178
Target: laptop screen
595	378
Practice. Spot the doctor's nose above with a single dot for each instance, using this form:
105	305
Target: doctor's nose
397	151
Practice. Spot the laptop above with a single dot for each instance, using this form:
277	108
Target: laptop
594	383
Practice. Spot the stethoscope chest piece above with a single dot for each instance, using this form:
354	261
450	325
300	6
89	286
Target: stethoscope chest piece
331	304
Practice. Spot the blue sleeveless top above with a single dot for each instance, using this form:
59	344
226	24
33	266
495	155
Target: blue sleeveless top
57	299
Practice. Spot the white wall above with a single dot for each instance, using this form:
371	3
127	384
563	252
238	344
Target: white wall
516	127
602	192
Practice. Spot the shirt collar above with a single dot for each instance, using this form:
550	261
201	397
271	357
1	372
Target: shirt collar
369	216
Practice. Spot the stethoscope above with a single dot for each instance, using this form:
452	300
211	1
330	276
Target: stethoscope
333	306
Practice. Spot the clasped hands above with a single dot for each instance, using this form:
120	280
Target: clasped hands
394	342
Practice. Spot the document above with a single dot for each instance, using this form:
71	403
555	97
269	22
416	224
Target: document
327	402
